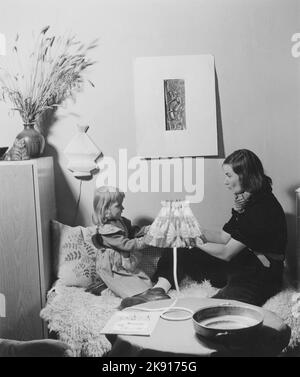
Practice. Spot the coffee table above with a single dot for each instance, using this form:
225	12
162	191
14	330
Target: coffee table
178	338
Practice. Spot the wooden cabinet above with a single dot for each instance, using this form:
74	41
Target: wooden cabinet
27	203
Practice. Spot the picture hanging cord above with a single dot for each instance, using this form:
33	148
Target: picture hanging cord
77	204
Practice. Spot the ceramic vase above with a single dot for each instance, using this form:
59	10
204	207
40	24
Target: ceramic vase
33	139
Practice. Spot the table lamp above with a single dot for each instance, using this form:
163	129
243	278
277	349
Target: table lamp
175	226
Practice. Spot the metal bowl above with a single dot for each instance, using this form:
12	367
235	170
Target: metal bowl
228	322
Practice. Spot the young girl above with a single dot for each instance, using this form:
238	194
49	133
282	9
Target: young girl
119	244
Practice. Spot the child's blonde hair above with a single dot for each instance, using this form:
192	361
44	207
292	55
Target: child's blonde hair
104	197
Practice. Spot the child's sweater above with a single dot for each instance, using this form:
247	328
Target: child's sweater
119	238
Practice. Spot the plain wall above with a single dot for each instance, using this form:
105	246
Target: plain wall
258	88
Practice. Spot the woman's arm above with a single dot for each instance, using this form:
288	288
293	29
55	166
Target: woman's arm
223	251
216	236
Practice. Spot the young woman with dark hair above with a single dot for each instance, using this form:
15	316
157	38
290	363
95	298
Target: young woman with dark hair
249	168
245	258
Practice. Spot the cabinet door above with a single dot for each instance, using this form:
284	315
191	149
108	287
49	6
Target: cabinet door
19	265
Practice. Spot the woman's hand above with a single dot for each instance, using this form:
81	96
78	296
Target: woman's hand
215	236
201	240
222	251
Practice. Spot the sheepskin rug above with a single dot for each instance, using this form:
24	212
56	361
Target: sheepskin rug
78	317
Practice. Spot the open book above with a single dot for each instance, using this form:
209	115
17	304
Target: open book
132	323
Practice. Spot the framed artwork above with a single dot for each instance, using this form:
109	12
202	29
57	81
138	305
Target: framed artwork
175	106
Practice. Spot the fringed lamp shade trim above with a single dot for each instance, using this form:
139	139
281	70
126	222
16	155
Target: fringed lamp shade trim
175	226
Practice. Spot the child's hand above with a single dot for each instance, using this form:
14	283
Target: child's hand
146	229
130	263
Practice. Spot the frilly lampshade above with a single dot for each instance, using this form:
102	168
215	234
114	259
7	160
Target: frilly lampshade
82	154
175	226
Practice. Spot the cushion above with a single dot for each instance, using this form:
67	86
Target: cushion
74	254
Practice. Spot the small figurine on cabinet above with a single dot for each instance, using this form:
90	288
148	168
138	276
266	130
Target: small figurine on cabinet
17	152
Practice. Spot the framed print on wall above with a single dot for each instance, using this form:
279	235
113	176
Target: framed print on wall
175	106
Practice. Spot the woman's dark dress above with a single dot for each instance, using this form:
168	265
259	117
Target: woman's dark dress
262	229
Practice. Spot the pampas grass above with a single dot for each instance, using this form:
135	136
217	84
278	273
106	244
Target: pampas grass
53	73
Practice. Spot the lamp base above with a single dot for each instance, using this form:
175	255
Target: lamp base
84	174
81	174
175	268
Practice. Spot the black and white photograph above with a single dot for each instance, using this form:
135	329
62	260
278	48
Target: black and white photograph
150	182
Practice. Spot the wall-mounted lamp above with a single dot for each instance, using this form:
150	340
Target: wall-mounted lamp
82	155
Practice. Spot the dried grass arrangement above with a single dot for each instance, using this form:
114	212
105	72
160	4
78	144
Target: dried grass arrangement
54	71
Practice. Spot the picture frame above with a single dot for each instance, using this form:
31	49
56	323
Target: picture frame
175	106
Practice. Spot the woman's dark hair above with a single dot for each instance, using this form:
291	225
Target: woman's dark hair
249	169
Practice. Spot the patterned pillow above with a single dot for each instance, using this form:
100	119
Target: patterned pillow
74	254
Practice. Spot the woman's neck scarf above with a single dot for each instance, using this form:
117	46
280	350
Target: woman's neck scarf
240	201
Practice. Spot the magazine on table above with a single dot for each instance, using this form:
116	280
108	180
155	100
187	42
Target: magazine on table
132	323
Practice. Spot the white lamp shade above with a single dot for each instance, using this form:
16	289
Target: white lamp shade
82	153
175	226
